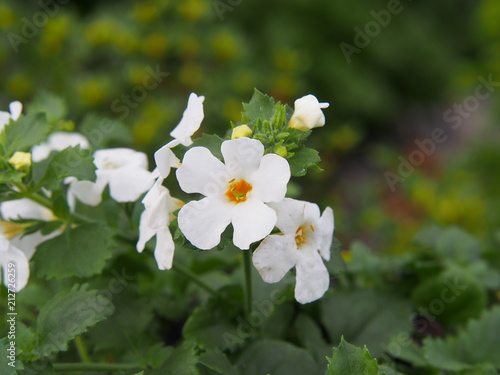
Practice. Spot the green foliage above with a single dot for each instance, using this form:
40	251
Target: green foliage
24	133
348	359
476	345
94	243
67	315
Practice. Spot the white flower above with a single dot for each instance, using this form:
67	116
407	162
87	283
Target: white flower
124	170
15	247
155	218
58	141
15	109
305	238
236	192
189	124
307	113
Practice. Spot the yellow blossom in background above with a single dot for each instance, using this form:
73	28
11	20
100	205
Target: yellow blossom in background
155	45
125	42
189	47
19	86
54	35
232	109
6	16
225	45
99	32
146	11
286	59
190	75
93	91
193	9
345	138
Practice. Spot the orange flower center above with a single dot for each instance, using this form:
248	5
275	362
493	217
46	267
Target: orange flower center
11	230
301	234
238	190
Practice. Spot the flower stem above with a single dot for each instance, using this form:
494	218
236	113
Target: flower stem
74	367
247	266
82	350
191	276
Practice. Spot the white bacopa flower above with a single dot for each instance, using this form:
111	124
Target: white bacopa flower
58	141
155	218
182	133
15	109
15	247
235	192
308	113
123	169
306	238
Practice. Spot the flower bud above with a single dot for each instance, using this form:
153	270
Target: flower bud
281	151
307	113
21	160
241	131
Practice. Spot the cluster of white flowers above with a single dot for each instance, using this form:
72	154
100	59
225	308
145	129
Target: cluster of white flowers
247	190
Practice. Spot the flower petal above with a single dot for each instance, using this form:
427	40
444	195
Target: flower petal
28	243
191	120
19	259
24	209
145	232
271	179
166	159
15	109
164	250
113	158
202	222
252	221
242	156
290	215
274	257
127	184
312	276
326	226
88	192
201	172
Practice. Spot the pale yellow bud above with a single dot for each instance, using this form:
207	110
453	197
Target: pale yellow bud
281	151
241	131
308	113
20	160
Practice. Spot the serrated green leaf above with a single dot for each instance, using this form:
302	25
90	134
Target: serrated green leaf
211	141
276	358
365	317
8	365
26	132
11	177
82	251
260	106
348	359
41	366
181	361
476	344
72	161
303	159
67	315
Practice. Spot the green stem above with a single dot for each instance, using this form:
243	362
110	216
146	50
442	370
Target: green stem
247	266
191	276
34	196
82	350
73	367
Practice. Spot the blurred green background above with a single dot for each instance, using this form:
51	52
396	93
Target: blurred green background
414	68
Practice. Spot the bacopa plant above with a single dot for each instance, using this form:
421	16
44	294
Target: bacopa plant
71	212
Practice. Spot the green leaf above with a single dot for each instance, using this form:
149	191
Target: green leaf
216	360
311	337
212	324
457	245
476	344
365	317
276	358
211	141
260	106
80	251
72	161
53	106
181	361
26	132
451	297
69	314
348	359
104	132
11	177
303	159
41	366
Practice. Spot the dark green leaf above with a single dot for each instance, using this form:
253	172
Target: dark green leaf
8	363
26	132
67	315
11	177
80	251
216	360
53	106
260	106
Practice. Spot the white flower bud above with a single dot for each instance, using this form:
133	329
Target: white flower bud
307	113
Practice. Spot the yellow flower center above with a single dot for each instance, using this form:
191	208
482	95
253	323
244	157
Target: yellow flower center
238	190
301	234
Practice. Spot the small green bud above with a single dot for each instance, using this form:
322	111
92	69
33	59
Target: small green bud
281	151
